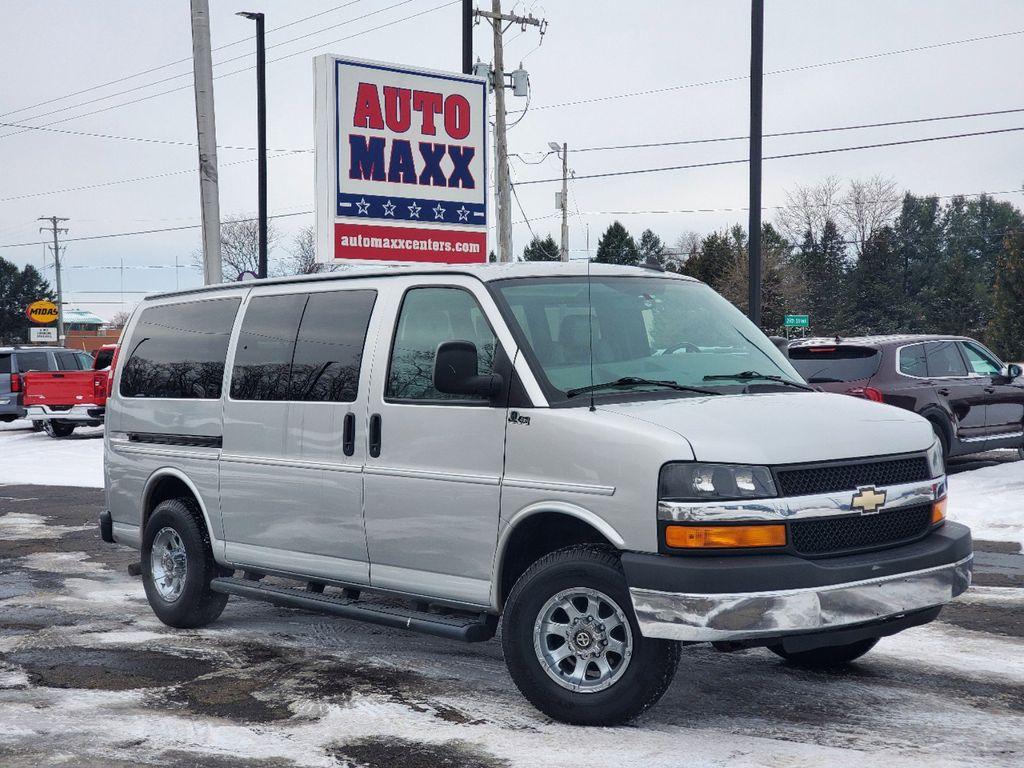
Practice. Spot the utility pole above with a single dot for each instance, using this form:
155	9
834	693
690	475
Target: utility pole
565	202
57	230
206	130
467	37
501	178
261	135
756	84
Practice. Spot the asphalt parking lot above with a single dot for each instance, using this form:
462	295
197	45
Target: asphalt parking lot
89	677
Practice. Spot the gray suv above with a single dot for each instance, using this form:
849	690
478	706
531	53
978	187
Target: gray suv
15	361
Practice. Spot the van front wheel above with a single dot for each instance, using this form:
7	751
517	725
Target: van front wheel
572	644
178	565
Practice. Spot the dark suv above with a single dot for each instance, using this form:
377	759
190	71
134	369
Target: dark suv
974	401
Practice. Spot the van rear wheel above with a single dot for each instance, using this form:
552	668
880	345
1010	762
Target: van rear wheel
829	656
178	565
572	644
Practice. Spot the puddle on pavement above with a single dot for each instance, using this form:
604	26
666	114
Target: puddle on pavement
387	752
106	670
231	697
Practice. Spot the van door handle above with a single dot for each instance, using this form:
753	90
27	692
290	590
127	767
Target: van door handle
375	435
348	440
944	392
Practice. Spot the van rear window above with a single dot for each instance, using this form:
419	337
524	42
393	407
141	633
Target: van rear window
5	363
834	363
178	350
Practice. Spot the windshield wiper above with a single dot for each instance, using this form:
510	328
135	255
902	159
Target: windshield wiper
635	381
754	375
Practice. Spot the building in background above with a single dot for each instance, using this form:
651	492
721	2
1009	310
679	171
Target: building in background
86	331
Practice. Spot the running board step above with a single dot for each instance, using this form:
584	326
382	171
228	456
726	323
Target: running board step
470	629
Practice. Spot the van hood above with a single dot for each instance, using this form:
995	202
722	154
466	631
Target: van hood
784	427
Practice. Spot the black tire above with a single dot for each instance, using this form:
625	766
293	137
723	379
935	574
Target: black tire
58	429
643	680
943	435
196	605
827	657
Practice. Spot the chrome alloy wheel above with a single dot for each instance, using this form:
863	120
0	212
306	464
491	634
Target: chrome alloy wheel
167	564
582	640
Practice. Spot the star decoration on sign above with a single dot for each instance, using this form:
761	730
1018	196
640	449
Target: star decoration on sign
414	211
438	212
363	207
389	208
463	213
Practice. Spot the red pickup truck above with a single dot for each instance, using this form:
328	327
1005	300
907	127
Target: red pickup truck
63	400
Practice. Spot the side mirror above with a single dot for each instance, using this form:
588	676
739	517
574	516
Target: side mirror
456	371
1010	371
782	343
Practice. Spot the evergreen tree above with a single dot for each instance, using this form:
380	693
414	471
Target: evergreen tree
651	249
18	289
1005	332
713	261
541	250
919	243
873	294
617	246
781	288
823	265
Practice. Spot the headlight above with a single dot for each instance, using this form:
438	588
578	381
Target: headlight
686	481
936	464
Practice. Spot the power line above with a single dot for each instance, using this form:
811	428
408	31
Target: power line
800	68
804	132
225	74
808	153
172	63
148	231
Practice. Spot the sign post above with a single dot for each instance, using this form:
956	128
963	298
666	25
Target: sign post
401	163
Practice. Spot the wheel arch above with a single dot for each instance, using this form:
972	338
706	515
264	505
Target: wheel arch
938	417
538	529
170	483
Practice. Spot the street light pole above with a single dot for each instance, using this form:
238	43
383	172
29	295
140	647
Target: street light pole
756	83
261	135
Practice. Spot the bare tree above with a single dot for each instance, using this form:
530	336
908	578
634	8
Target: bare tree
301	258
868	206
119	320
240	246
807	209
686	247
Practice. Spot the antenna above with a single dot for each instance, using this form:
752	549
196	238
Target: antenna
590	326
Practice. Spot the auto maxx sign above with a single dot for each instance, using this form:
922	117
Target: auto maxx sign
401	163
41	311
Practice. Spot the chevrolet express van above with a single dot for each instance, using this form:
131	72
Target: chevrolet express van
613	462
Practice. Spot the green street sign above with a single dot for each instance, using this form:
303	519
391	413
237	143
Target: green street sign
797	321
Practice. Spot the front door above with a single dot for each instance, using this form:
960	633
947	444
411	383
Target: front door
1004	410
435	461
291	465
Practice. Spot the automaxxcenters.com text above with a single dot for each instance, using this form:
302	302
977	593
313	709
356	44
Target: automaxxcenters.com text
407	244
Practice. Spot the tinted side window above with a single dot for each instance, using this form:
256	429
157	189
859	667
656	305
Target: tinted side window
178	350
67	361
980	361
33	361
944	359
912	361
103	359
428	317
329	350
263	356
5	363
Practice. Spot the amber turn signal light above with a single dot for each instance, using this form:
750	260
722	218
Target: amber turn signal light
724	536
939	510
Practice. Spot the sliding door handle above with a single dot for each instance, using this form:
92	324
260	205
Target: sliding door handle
348	439
375	435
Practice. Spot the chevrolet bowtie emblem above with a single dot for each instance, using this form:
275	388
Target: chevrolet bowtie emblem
868	500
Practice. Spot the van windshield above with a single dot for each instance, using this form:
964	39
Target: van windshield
652	329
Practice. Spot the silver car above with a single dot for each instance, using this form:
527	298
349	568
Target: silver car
613	462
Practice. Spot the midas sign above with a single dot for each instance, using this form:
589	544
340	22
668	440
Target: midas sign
41	311
401	163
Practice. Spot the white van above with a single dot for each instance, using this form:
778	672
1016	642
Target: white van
615	462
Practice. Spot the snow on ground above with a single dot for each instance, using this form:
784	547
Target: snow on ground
986	499
34	458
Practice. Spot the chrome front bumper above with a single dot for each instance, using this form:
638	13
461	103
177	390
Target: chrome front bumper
74	413
718	617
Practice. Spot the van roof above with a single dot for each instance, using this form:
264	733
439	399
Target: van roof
482	272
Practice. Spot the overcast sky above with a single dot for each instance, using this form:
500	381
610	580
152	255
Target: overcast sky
592	50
